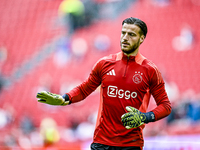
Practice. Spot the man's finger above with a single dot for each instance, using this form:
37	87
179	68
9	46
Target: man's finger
131	126
42	101
44	95
65	103
128	127
41	94
131	109
126	115
129	118
41	97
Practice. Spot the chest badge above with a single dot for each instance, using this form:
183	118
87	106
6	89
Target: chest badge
137	78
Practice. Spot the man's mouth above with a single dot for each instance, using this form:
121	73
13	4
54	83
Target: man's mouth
125	44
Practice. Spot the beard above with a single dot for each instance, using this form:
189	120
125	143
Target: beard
129	51
130	48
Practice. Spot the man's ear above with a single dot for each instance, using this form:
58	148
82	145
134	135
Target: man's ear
142	37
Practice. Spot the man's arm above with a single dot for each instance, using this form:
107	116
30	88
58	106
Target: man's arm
163	108
83	90
157	89
88	86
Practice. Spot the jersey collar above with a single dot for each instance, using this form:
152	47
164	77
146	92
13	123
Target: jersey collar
130	58
138	58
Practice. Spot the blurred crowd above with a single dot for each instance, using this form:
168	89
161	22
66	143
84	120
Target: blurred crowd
186	109
75	14
25	134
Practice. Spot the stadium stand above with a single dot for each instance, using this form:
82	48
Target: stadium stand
31	33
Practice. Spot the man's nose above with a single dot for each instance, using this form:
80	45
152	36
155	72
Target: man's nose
125	37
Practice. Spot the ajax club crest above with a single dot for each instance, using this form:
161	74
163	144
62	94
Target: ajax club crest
137	78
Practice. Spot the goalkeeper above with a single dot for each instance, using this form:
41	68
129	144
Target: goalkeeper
127	81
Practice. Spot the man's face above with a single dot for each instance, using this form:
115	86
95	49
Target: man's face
130	38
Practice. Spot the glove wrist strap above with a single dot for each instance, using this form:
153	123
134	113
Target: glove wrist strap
66	97
150	117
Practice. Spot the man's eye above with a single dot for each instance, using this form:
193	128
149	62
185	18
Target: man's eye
131	34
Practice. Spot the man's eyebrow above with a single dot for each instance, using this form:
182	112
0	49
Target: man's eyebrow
132	32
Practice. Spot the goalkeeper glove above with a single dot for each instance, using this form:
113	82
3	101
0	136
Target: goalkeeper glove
53	99
134	118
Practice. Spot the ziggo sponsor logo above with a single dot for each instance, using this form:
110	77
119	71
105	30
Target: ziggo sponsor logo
113	91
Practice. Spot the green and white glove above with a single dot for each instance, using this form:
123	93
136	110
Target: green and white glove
52	99
134	118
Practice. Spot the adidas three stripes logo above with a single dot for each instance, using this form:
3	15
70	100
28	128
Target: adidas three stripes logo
112	73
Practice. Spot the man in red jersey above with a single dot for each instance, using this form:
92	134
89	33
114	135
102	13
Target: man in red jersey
127	81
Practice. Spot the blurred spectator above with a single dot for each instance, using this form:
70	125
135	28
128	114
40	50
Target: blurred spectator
111	9
193	111
3	57
187	108
49	131
62	54
36	139
79	48
10	140
179	112
102	42
26	124
3	118
69	133
24	142
185	40
91	11
172	90
85	129
10	113
2	82
72	12
80	130
6	115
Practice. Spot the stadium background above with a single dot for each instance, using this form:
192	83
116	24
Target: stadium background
37	53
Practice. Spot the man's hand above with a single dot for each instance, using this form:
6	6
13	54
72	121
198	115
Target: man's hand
133	119
51	99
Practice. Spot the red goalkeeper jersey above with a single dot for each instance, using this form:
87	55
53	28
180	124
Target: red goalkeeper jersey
125	81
